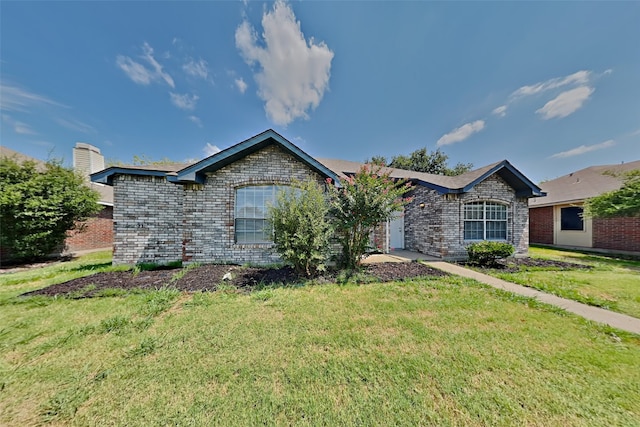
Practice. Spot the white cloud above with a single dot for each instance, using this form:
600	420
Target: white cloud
76	125
566	103
196	120
461	133
583	149
241	85
14	98
184	102
142	74
18	127
210	149
501	111
294	73
197	69
579	78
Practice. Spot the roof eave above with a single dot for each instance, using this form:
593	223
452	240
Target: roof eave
106	176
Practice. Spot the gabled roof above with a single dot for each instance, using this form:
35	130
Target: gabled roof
449	184
583	184
196	172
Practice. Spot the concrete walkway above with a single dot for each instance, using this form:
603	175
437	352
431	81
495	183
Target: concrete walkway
616	320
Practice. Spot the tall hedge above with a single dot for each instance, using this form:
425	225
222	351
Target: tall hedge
39	205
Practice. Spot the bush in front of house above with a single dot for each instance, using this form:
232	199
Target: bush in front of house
363	201
39	205
487	252
301	230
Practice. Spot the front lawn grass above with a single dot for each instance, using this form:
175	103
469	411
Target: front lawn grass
438	351
612	283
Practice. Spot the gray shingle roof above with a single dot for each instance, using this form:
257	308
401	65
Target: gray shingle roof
332	168
583	184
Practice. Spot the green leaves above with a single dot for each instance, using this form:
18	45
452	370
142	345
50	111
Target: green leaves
301	227
487	252
624	202
365	200
37	208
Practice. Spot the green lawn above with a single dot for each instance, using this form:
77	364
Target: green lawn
443	351
612	283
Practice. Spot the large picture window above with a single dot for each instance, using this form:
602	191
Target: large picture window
485	221
251	212
571	218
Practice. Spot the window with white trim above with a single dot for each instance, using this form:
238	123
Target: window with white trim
485	221
251	213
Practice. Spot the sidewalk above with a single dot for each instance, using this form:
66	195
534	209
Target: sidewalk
616	320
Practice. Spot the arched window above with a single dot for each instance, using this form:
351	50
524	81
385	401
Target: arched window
485	221
251	212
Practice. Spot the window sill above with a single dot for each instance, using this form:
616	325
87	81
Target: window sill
253	245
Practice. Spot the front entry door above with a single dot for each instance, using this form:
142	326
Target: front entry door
396	231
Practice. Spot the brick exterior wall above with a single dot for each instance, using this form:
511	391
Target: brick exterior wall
147	220
541	225
95	233
158	221
209	209
621	234
438	229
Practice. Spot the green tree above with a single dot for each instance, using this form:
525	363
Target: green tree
301	230
362	202
38	207
421	160
624	202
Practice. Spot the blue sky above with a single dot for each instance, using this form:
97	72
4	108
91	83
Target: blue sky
552	87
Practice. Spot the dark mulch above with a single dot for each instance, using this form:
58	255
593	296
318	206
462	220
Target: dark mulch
209	277
513	265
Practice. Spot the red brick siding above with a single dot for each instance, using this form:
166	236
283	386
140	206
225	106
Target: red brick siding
621	234
97	233
541	225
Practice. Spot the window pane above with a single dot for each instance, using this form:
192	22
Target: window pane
251	212
473	230
496	211
473	211
571	218
496	230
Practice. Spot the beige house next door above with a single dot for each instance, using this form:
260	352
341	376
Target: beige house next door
570	228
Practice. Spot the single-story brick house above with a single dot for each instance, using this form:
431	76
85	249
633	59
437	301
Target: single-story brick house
214	210
557	219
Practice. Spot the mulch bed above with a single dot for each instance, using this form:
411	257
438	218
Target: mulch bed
513	265
208	277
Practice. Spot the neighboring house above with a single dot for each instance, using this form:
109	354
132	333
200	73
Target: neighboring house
96	232
214	210
557	219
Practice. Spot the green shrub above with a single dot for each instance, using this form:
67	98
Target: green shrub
301	230
363	201
486	253
39	205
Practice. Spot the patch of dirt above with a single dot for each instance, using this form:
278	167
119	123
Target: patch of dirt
513	265
209	277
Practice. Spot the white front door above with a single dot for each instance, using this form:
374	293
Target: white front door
396	231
